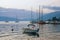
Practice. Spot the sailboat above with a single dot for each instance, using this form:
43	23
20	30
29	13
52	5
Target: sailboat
31	29
40	20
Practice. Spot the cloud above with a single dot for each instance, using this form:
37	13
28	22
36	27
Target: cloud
56	8
50	5
26	4
45	10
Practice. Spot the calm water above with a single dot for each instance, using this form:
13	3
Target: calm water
49	31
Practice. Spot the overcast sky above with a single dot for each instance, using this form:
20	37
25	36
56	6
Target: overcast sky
27	4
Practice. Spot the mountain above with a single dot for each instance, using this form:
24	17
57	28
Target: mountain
51	15
2	18
20	14
23	15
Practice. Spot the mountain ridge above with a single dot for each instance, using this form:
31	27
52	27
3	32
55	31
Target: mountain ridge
51	15
24	15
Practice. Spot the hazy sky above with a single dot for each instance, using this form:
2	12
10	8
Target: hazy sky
27	4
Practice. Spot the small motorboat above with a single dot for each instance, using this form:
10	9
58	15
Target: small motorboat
31	30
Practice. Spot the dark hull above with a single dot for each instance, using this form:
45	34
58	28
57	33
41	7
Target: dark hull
31	32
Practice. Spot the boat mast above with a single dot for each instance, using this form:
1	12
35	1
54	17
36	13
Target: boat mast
39	13
31	15
42	15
